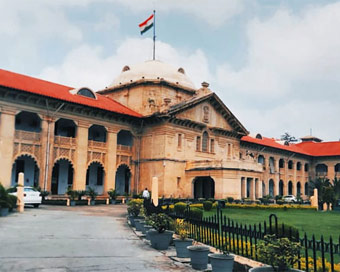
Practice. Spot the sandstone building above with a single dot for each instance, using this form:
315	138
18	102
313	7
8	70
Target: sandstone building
151	121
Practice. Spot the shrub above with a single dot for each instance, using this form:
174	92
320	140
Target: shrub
91	193
5	201
280	253
112	193
160	221
135	206
182	228
285	230
230	199
207	205
180	207
80	194
72	193
12	199
195	213
197	205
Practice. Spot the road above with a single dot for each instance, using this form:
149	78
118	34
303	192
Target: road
81	238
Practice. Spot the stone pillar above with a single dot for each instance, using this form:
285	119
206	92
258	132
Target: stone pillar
243	187
294	182
154	191
111	160
20	193
49	156
47	131
252	189
331	171
7	130
276	184
80	162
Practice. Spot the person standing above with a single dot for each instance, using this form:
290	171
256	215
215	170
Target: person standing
146	193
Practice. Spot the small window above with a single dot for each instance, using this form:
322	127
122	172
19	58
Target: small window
205	142
86	92
178	181
212	146
179	140
198	143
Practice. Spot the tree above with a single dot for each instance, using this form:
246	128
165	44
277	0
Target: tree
288	138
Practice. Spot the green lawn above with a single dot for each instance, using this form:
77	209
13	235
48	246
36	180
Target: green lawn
311	222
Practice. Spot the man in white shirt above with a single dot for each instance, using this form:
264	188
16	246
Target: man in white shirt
146	193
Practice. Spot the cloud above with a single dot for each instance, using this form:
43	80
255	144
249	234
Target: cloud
215	13
290	79
88	66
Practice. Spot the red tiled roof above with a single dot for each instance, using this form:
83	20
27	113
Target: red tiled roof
270	142
49	89
321	149
306	148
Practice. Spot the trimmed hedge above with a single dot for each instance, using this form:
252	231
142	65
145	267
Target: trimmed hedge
196	213
266	207
207	205
180	207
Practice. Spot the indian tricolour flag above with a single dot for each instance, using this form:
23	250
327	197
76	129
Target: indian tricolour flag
146	25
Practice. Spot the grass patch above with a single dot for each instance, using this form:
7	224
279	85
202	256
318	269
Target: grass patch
309	221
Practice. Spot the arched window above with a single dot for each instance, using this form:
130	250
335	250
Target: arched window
281	163
260	159
86	92
205	140
298	166
290	164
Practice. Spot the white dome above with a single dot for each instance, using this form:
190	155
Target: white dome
153	70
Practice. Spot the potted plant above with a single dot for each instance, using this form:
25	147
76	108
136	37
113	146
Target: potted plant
92	194
280	253
199	256
134	208
182	230
221	262
80	194
160	238
73	196
113	195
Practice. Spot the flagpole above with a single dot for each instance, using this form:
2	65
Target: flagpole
154	34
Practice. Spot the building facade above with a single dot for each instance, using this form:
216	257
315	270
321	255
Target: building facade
150	122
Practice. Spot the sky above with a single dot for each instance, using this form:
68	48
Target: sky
275	64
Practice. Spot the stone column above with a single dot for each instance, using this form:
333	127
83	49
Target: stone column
243	187
252	189
276	184
7	130
46	132
331	171
49	156
80	161
111	160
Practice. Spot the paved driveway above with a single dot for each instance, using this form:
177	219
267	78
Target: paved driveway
79	238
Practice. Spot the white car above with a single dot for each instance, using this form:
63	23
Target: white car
290	199
31	196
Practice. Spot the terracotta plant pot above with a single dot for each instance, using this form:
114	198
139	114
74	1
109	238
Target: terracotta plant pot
160	241
181	247
199	257
221	262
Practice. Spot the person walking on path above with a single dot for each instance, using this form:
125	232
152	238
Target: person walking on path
146	193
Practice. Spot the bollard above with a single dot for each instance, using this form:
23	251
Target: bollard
107	201
68	202
20	193
123	200
89	201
